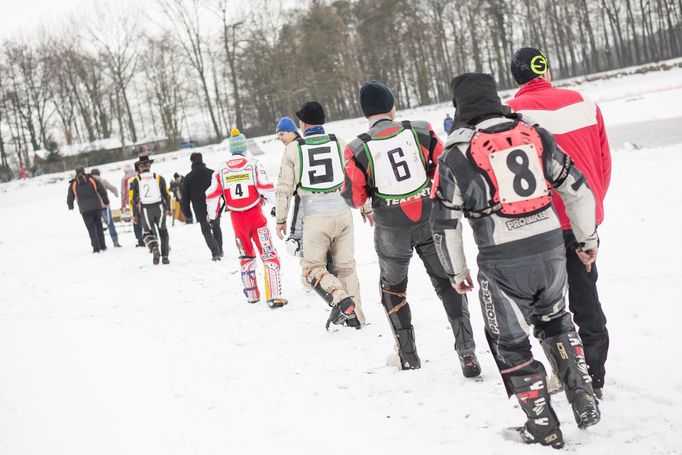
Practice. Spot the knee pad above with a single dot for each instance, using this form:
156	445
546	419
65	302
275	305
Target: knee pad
324	284
268	250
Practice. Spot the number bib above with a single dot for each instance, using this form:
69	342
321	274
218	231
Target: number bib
239	187
321	164
397	163
150	192
512	161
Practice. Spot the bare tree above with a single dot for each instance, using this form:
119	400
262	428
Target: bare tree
185	16
116	33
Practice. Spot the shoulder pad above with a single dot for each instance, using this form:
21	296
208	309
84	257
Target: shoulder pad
526	119
461	135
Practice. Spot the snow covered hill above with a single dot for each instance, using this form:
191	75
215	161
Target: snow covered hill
107	354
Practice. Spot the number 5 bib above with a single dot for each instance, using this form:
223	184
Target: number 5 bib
321	164
397	165
512	162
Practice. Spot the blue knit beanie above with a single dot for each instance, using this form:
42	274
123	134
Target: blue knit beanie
237	141
285	124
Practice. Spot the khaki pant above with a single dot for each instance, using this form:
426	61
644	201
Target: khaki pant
334	233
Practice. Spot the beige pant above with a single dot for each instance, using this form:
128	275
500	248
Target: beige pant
322	233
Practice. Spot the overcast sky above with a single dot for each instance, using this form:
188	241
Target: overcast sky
26	16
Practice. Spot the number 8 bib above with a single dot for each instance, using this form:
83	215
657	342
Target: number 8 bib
512	161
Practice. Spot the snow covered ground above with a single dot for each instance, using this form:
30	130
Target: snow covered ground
107	354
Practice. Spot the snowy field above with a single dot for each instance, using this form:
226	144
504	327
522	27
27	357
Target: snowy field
108	354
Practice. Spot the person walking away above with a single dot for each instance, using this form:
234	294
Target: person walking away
499	172
194	187
312	166
176	190
578	128
392	164
287	132
149	192
128	174
244	185
447	123
106	211
91	197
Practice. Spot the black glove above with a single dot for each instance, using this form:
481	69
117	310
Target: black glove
273	212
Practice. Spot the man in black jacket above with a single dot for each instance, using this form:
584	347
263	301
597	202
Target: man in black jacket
91	197
194	191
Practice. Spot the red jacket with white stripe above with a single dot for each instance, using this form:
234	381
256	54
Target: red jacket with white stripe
577	125
241	182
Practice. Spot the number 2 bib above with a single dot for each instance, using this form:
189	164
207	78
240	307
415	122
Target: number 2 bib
150	192
512	163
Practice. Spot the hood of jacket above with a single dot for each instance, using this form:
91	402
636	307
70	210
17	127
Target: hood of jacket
475	98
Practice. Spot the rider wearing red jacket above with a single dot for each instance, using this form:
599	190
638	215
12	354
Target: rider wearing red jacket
578	128
243	184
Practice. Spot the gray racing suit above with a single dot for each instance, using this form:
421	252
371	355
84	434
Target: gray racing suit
521	261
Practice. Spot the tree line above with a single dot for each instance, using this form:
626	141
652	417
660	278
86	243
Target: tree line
196	68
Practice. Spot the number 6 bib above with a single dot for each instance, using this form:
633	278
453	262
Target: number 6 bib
397	164
512	163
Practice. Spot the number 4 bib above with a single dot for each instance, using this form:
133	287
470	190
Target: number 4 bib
512	162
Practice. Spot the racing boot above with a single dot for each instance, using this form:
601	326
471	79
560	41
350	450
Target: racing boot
156	256
277	303
394	300
341	313
568	358
407	349
469	363
542	425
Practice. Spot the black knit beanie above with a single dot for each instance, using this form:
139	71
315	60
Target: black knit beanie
375	98
311	113
528	63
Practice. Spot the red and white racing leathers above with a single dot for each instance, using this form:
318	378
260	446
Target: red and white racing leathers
244	186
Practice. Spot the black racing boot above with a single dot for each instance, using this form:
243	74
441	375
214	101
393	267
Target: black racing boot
567	356
165	260
116	244
156	256
277	303
407	349
542	425
469	363
342	312
394	300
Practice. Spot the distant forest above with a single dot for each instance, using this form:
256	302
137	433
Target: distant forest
201	67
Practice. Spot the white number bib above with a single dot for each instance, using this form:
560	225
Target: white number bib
150	193
519	174
321	167
399	170
239	183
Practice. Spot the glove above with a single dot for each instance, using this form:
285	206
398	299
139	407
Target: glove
294	247
273	212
